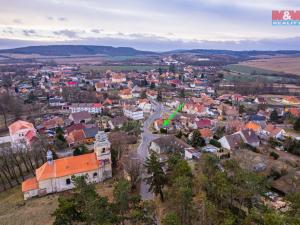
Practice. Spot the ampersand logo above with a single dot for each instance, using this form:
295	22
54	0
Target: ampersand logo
286	15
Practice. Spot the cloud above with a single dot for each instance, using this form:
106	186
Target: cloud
29	32
62	19
67	33
97	31
17	21
8	30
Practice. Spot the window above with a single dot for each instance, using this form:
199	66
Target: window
68	181
103	150
95	175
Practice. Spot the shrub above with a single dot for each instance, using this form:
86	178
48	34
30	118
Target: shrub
215	142
274	155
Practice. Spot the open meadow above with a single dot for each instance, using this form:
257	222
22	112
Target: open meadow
290	65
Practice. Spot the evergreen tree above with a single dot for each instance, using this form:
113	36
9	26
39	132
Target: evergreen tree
157	178
197	140
297	124
60	141
182	93
144	95
152	86
159	96
274	116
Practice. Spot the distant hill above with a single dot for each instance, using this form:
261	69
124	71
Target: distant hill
69	50
240	54
73	50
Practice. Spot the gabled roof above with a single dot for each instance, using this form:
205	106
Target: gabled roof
30	184
90	132
75	136
234	140
203	123
68	166
253	126
250	136
273	130
206	132
81	115
257	118
75	127
19	125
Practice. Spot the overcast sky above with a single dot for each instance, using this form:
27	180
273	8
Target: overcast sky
148	24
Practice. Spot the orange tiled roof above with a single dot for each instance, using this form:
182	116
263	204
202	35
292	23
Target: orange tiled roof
75	136
68	166
30	184
295	112
19	125
292	99
206	132
125	92
253	126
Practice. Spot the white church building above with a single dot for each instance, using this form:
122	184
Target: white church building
55	175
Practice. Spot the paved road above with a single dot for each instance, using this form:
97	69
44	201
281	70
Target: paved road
142	150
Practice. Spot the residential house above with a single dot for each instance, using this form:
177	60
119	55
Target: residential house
168	144
53	123
152	94
294	112
100	86
231	142
21	132
291	100
253	126
118	78
55	175
117	122
93	108
144	105
80	117
206	133
125	94
57	102
133	113
249	137
204	123
233	126
260	100
274	131
261	120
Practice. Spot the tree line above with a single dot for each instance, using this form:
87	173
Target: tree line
20	162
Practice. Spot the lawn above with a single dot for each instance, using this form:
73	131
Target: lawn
37	211
248	69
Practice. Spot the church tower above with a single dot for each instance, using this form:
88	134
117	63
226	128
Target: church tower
102	150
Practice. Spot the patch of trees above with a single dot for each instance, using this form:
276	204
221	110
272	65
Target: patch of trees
17	163
85	206
10	105
197	140
132	127
120	141
291	145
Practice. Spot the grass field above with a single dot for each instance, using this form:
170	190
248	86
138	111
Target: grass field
125	68
37	211
244	69
243	74
278	64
